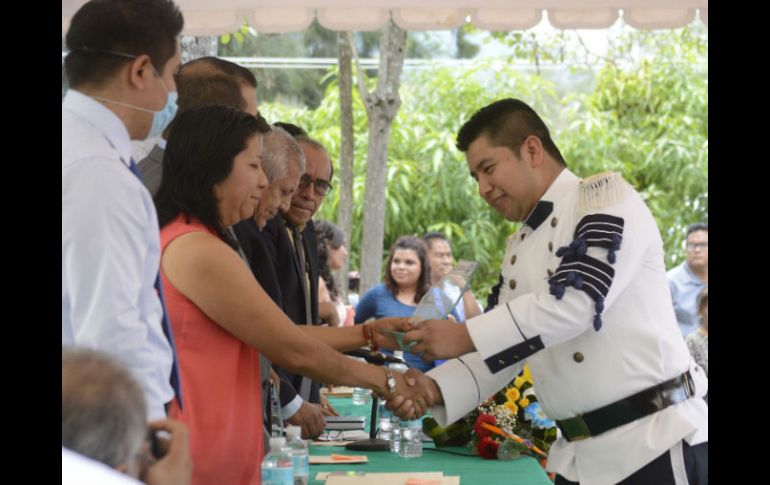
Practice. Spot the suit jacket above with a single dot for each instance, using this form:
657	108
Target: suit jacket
260	251
290	275
151	168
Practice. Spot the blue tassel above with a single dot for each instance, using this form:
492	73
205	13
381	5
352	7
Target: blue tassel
597	322
611	256
599	305
578	283
581	247
570	277
616	240
560	252
557	290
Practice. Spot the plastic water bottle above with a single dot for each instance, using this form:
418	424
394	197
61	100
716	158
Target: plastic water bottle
299	455
361	395
384	427
395	423
277	468
411	439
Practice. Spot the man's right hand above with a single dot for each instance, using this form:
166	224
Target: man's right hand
419	393
175	467
311	418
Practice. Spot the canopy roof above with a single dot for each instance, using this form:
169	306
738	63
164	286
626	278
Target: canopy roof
215	17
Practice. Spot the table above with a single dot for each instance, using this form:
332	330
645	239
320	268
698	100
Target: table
472	470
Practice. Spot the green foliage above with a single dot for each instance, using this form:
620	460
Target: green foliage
648	121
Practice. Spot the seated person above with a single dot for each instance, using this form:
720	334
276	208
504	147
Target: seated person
104	418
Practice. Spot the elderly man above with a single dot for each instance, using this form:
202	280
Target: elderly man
688	279
104	418
121	63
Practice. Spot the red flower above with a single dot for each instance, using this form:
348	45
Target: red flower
488	448
481	431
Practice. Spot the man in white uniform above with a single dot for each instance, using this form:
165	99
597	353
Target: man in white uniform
123	55
584	300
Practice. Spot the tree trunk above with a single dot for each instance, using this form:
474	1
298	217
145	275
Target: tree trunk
381	106
345	210
195	47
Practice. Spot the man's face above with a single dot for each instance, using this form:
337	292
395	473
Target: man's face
506	182
278	195
440	257
250	96
698	249
158	88
306	201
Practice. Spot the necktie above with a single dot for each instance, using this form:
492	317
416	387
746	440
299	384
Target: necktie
299	248
166	322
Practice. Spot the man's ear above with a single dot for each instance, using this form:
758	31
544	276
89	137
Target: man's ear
139	71
532	149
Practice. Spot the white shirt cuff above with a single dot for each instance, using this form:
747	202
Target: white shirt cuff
291	409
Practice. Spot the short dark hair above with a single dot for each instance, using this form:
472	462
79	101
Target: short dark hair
200	91
698	226
208	65
291	128
429	237
199	154
331	233
507	123
703	300
423	282
101	28
304	138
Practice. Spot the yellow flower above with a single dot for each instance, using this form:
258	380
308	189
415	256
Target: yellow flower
524	402
518	382
512	394
527	374
512	406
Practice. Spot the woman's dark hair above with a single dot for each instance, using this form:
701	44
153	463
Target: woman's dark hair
703	302
328	232
423	282
201	147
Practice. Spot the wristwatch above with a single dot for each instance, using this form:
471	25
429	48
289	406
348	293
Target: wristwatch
391	381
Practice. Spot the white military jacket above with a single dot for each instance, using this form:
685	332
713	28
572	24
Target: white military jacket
589	341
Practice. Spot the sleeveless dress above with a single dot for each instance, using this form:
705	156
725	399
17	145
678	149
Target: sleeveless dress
222	404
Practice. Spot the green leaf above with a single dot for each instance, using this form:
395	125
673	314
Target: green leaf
224	39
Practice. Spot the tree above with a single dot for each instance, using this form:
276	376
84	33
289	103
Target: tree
381	107
345	212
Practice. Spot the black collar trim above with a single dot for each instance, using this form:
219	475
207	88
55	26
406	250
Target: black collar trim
539	214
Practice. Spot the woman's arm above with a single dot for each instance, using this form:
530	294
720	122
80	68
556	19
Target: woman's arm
212	276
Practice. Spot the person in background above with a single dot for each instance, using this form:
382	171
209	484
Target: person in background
354	284
104	418
205	80
221	316
120	66
698	341
441	263
689	278
407	279
332	252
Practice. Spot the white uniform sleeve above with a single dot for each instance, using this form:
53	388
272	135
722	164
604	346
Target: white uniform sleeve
515	330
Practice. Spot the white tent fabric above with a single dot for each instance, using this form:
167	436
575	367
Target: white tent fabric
216	17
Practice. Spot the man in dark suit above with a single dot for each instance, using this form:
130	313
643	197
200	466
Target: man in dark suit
296	252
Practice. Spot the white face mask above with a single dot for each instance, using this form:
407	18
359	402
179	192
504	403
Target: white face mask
160	119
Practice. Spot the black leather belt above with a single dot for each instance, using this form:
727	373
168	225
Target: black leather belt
630	409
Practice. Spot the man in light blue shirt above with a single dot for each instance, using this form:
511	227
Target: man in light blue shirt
689	278
121	63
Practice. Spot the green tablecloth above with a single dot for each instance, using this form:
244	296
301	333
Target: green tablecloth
472	470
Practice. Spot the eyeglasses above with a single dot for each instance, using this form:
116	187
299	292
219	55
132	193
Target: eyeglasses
321	187
700	245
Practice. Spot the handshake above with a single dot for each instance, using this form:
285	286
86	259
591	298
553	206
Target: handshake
431	339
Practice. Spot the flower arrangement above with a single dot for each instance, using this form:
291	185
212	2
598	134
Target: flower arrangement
508	424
